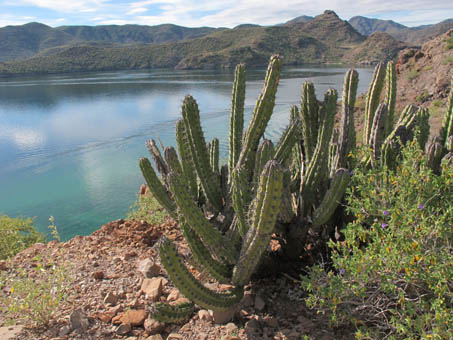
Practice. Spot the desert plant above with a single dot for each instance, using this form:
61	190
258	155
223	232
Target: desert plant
17	234
390	276
289	191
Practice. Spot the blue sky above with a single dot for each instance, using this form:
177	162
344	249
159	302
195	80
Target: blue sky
214	13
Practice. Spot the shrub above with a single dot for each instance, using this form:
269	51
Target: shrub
17	234
147	208
449	43
34	295
391	276
448	60
412	75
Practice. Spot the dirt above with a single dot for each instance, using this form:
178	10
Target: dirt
107	261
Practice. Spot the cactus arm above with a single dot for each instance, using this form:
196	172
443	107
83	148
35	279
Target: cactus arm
289	138
214	155
261	115
390	96
333	196
210	236
189	286
171	158
187	163
241	197
166	313
434	154
347	135
317	166
157	188
377	131
310	119
157	157
199	152
217	270
264	154
264	216
447	122
423	124
236	117
372	99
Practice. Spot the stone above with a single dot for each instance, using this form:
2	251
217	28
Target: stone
65	330
155	337
105	317
98	275
203	314
259	303
179	301
123	329
3	266
153	287
110	299
131	317
230	327
173	295
79	321
153	326
174	336
252	325
271	321
247	300
148	268
9	333
221	317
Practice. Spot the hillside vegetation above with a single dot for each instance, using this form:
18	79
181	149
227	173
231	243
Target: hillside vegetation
325	39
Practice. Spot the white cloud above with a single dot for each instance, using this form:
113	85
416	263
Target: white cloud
136	10
64	6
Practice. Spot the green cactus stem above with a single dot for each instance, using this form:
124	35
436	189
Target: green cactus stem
264	215
189	286
261	115
310	119
423	125
434	154
289	138
214	155
170	314
347	135
211	237
332	198
157	188
171	158
187	163
236	117
378	131
372	100
201	254
390	96
241	197
199	153
264	154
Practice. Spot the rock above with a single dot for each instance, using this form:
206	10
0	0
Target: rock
271	321
79	321
259	303
132	338
221	317
153	287
131	317
65	330
105	317
129	255
3	266
9	333
252	326
110	299
123	329
98	275
179	301
203	314
230	327
173	295
174	336
143	189
155	337
148	268
153	326
247	300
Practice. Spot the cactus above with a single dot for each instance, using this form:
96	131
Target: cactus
228	214
165	313
434	154
447	122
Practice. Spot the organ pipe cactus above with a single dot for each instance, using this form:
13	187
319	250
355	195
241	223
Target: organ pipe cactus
264	191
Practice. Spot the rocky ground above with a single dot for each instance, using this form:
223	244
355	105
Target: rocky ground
116	276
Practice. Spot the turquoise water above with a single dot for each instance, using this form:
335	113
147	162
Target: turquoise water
69	145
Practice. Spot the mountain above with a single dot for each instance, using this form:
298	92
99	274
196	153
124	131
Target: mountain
24	41
324	39
413	35
302	18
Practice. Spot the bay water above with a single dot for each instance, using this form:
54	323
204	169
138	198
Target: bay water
70	144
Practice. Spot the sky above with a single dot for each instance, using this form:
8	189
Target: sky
214	13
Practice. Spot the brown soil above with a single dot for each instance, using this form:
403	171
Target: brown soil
106	262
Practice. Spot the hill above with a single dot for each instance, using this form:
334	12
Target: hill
413	35
326	38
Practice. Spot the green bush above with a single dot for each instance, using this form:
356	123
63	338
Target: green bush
412	75
449	43
16	235
391	276
147	208
34	295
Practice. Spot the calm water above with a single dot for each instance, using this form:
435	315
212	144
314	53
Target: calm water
69	145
